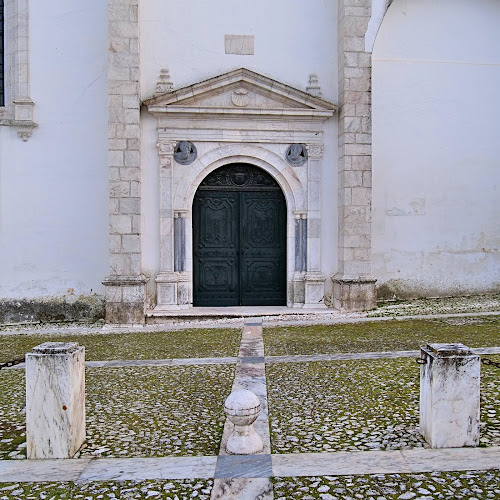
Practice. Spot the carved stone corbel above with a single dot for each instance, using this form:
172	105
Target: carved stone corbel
23	117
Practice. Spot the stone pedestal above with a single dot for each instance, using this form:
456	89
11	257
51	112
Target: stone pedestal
55	400
449	396
351	294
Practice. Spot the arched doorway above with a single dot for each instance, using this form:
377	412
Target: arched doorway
239	238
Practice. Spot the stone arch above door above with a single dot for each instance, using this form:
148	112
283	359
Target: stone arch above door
241	153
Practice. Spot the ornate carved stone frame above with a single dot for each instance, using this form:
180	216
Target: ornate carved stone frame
224	132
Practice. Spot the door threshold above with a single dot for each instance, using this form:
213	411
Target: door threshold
198	313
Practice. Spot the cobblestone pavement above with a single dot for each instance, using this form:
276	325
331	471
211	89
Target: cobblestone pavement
358	405
213	342
187	488
475	485
400	335
134	412
314	406
467	485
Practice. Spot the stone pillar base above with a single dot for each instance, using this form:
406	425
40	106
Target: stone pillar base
172	291
125	299
314	288
351	294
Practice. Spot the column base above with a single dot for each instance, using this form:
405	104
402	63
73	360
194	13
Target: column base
125	299
314	291
351	294
172	290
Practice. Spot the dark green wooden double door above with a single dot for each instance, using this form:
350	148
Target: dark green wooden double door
239	239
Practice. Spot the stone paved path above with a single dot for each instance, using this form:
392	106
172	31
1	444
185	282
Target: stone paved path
248	477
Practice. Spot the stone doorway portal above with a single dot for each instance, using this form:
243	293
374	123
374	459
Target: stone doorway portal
239	239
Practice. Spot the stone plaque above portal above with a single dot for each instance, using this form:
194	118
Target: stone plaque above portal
239	44
185	152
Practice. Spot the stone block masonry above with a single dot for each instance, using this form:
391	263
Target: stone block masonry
125	286
354	287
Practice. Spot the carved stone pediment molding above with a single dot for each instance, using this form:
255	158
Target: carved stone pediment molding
241	92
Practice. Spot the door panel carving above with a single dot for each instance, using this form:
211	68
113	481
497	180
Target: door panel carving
239	239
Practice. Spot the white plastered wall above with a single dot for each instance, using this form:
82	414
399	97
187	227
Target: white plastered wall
53	188
292	39
436	75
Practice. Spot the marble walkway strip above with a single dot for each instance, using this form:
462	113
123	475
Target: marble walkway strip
247	476
299	358
294	464
386	462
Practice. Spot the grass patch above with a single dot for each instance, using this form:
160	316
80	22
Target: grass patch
375	336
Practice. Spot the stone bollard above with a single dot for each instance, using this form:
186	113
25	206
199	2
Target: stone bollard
242	409
55	400
449	395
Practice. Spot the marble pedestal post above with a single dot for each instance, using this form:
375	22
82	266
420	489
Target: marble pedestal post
55	400
449	396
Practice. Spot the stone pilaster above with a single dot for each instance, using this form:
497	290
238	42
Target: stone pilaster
354	287
172	290
125	287
314	280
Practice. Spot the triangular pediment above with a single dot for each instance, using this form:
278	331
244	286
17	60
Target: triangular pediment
241	91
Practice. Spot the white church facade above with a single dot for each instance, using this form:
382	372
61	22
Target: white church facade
162	155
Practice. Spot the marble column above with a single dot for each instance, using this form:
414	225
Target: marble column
55	400
449	396
300	218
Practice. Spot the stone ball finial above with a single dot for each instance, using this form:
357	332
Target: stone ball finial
242	409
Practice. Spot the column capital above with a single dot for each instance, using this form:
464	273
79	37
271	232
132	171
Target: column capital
315	151
166	153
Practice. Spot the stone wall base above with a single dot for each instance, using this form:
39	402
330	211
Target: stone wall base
125	299
52	309
354	294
